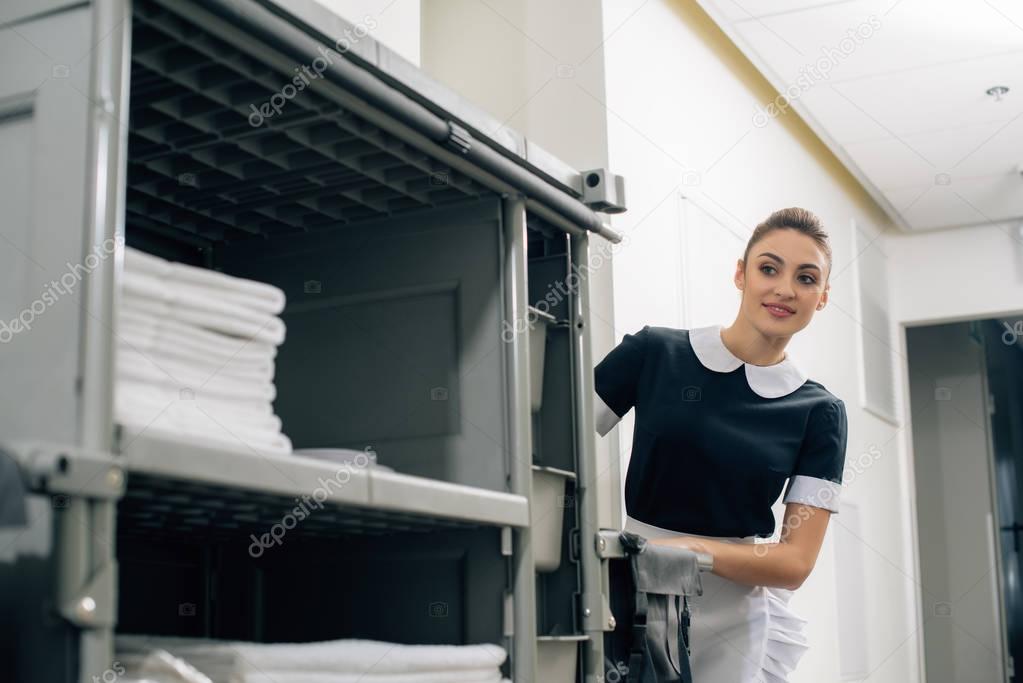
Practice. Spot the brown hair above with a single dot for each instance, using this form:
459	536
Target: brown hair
793	218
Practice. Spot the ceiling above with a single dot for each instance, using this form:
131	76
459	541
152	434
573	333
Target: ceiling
897	89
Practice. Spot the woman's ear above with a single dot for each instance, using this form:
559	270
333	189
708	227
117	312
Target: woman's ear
824	297
740	274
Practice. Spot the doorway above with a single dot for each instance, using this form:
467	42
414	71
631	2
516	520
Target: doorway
966	403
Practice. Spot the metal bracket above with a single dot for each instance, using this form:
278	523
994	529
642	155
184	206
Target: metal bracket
606	619
459	139
93	607
608	545
60	468
509	614
603	190
507	547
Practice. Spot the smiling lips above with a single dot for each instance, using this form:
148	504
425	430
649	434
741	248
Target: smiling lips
779	310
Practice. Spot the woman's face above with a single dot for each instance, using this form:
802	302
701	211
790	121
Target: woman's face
783	283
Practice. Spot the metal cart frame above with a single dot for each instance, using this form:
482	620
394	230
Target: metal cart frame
89	475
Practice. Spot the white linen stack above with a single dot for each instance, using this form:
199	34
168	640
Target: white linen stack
195	356
333	661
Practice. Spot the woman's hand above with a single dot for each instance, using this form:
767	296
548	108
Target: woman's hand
785	564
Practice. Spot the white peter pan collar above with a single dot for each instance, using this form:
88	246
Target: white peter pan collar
768	381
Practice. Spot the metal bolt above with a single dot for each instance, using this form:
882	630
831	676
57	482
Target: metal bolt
601	544
586	612
85	609
115	477
611	623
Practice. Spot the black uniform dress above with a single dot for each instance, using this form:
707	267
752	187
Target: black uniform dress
715	441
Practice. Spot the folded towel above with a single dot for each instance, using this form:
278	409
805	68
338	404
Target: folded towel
349	656
138	320
206	399
151	341
163	372
256	412
131	431
201	424
135	422
189	415
180	385
257	295
195	356
492	675
204	311
258	415
158	666
138	394
166	354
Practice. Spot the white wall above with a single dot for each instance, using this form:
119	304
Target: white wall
680	105
957	274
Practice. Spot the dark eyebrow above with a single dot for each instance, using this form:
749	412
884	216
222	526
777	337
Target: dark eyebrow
779	259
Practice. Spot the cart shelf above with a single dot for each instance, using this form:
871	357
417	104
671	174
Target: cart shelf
174	487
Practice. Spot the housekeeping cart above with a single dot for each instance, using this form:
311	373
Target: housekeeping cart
410	232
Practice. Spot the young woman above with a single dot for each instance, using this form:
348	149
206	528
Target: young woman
724	416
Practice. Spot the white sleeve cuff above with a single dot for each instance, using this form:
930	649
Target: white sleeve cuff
820	493
603	416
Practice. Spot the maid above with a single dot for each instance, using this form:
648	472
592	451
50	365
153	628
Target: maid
724	416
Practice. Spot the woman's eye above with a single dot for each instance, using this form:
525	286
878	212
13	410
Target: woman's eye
768	269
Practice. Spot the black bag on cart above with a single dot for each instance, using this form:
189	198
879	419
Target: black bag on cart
649	591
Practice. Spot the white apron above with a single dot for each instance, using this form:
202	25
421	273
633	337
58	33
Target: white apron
738	633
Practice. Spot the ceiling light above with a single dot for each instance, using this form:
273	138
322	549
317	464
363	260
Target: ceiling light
997	91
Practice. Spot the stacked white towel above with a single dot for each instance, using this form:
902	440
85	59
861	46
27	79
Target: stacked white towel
195	356
333	661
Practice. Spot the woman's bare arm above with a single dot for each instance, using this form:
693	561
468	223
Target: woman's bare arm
785	564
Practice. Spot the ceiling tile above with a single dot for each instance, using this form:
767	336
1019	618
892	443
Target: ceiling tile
939	97
967	201
745	10
950	154
897	88
913	33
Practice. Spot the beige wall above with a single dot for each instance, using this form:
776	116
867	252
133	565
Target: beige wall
530	64
526	63
395	23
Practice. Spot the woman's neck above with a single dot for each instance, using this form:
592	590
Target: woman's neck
750	346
